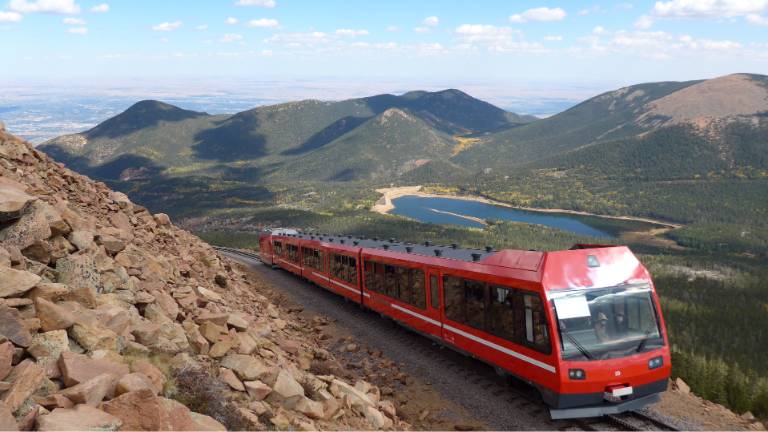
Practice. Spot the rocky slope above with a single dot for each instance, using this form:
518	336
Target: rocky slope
111	318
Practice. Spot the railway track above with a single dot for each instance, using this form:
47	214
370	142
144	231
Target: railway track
502	404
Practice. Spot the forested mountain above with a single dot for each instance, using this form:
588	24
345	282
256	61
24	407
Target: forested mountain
152	137
703	117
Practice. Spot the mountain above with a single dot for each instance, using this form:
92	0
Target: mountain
385	146
152	137
694	118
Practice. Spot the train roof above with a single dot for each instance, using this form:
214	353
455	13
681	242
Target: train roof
427	249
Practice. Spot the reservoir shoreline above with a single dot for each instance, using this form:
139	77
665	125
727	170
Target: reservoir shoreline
384	205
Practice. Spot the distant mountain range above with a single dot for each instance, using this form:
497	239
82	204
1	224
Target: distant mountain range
673	129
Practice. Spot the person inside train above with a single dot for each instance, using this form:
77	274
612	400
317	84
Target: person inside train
601	324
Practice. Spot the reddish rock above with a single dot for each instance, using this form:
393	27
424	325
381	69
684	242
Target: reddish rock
162	219
133	382
53	401
12	326
7	420
77	368
231	379
6	359
52	316
26	378
93	391
143	410
151	371
81	417
257	390
16	282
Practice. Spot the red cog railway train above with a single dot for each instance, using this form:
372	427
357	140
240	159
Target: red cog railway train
583	326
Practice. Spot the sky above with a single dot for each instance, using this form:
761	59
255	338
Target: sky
454	43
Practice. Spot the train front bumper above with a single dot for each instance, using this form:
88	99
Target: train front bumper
578	405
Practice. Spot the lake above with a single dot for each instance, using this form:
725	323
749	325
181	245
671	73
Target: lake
438	211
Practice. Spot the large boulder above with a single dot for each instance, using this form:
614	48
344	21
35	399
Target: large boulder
246	367
25	379
16	282
285	387
77	368
52	316
13	200
33	225
93	391
12	326
81	417
7	420
143	410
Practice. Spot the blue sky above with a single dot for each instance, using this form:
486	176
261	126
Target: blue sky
456	42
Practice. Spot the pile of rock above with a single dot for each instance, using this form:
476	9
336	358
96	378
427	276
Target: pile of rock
106	310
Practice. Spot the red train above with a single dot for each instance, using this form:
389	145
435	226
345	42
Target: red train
583	326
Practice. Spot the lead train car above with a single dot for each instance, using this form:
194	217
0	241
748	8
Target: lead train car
583	326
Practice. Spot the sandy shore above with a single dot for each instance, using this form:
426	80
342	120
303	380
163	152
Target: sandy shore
384	205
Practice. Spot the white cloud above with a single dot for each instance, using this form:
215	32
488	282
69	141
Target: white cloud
708	8
260	3
167	26
393	29
266	53
539	14
598	30
299	40
231	37
421	29
351	32
100	8
553	38
231	20
78	30
496	39
73	21
44	6
757	20
6	17
264	23
202	27
431	21
657	45
644	22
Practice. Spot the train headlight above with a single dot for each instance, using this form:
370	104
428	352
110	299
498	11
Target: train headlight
656	362
576	374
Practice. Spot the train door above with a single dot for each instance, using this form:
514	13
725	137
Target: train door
434	305
265	249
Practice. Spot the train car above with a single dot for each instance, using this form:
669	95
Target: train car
583	326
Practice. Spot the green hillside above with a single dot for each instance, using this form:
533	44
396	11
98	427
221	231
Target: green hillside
384	147
153	138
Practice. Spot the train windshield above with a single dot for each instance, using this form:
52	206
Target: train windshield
604	323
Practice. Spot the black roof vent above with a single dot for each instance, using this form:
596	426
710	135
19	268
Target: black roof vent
427	243
391	240
375	239
438	252
476	256
355	242
454	245
311	237
386	246
349	236
409	249
330	239
488	248
341	241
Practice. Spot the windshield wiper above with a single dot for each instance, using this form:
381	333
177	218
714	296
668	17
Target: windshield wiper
576	343
643	341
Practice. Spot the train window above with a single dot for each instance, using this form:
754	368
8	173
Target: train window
278	248
474	294
434	292
536	333
501	313
344	267
402	283
293	253
390	282
418	292
453	294
312	258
